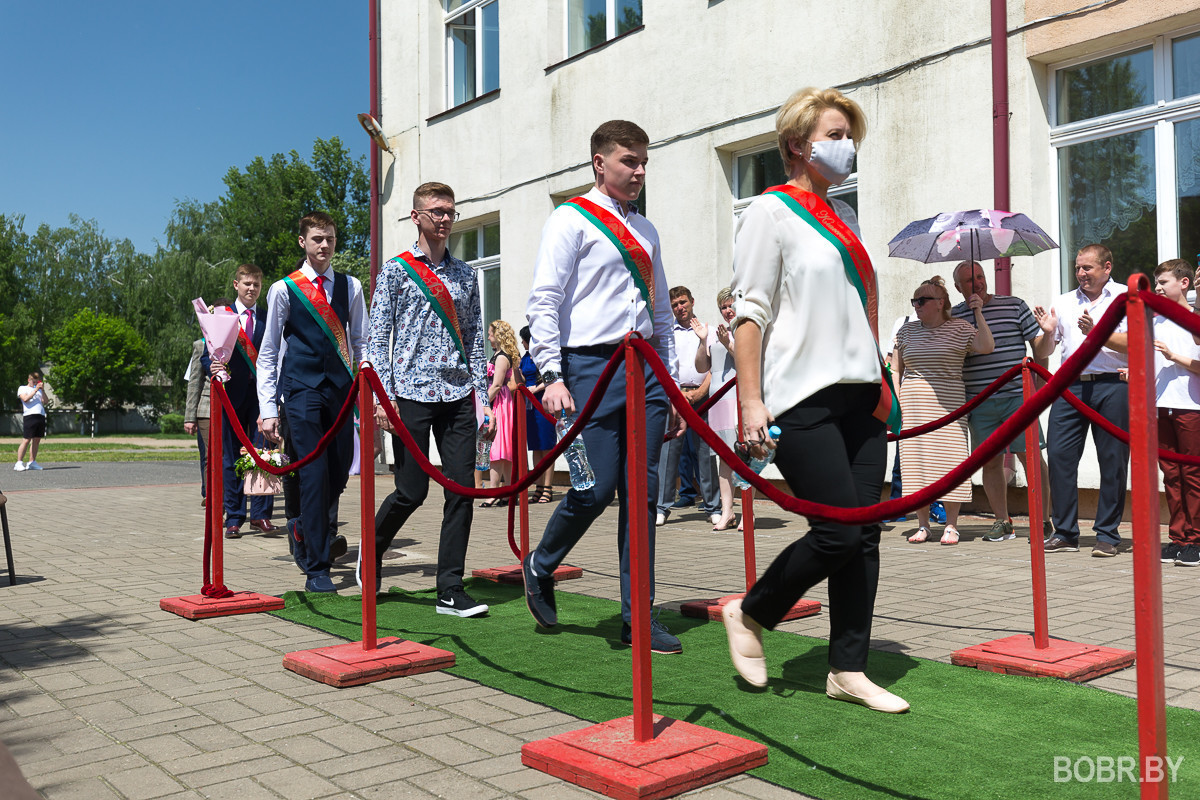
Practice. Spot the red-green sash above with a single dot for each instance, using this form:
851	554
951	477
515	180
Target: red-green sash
439	298
314	300
636	259
246	347
859	272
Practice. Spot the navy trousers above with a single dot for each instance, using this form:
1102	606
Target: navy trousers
453	428
1065	437
310	413
604	438
261	506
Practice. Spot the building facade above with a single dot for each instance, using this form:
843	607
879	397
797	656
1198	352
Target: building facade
498	99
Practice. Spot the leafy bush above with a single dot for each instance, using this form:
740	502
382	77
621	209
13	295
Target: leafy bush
170	423
99	361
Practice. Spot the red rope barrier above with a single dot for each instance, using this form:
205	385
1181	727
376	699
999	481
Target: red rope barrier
1111	428
988	449
347	408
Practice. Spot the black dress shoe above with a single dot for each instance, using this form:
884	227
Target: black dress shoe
337	548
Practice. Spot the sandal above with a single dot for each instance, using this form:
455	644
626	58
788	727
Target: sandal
727	525
922	535
495	501
545	494
950	535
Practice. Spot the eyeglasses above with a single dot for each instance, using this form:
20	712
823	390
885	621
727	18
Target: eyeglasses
917	302
437	214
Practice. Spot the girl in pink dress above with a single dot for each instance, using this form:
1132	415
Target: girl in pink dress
504	343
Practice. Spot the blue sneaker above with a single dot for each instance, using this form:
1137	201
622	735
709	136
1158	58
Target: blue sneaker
938	512
320	584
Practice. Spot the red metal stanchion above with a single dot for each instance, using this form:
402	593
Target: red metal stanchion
1033	494
215	600
370	659
1038	655
642	755
1147	569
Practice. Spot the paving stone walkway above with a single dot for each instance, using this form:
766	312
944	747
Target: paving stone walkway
102	695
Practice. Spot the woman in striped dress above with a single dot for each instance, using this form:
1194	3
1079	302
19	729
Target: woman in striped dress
929	360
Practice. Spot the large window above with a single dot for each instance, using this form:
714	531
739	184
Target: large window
756	170
1127	143
472	49
480	247
591	23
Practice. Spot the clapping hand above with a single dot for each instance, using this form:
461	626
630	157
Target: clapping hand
1086	323
1161	347
723	336
700	329
1046	320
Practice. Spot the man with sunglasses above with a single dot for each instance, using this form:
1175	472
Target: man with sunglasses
427	346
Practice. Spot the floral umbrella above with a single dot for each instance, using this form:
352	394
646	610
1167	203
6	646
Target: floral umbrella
970	236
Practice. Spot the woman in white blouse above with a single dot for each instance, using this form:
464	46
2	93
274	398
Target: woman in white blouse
808	361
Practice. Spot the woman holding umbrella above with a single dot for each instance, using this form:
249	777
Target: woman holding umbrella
808	360
929	362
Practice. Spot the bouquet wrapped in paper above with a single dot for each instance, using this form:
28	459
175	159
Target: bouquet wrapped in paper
257	481
219	326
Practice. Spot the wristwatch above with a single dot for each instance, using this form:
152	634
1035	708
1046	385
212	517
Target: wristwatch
550	376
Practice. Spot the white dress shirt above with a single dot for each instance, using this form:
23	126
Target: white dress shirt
279	308
583	293
1070	307
1176	386
790	281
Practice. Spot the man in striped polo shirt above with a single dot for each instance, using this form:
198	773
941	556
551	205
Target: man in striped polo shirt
1012	326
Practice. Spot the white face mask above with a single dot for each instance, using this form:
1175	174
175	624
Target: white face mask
833	159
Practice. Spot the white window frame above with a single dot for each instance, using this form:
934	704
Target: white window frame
451	77
610	26
848	186
1160	115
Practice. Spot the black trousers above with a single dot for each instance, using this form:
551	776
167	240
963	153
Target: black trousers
1065	437
831	450
453	428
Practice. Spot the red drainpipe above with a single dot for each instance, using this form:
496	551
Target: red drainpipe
376	228
1000	129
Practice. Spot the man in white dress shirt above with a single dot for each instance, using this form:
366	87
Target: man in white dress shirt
319	315
1102	388
598	276
696	387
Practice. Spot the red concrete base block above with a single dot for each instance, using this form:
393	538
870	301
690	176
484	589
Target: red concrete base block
197	606
512	574
606	759
1071	661
711	609
350	665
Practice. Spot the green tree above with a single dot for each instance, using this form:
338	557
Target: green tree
21	355
14	251
99	361
264	202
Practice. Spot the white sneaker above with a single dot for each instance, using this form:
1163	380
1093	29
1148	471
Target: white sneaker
33	465
660	519
19	467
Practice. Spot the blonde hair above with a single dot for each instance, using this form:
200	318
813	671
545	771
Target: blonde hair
939	288
507	341
800	113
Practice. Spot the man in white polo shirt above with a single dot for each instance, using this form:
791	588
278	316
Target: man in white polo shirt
33	414
1101	387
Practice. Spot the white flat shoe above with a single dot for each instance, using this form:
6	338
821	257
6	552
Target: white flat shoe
885	701
745	644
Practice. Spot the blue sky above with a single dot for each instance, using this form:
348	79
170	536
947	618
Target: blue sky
112	111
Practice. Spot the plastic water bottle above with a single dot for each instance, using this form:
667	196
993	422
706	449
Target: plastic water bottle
483	448
582	476
758	464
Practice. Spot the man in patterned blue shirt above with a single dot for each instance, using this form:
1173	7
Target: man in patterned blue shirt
427	346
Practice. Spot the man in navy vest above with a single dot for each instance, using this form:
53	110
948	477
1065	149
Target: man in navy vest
243	396
314	339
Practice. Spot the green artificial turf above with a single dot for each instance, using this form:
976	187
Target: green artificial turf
971	734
